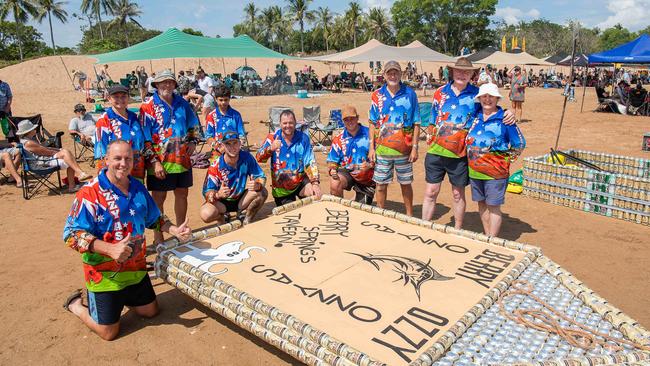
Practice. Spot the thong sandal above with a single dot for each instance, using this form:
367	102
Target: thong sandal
76	294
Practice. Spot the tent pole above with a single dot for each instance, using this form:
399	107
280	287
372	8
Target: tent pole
151	66
584	89
566	96
174	64
67	72
245	62
223	62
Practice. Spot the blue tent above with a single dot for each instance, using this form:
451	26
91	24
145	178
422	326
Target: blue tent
634	52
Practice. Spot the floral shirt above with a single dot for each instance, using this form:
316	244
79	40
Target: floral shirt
394	118
290	164
218	123
235	177
450	113
351	152
492	146
172	130
102	211
111	126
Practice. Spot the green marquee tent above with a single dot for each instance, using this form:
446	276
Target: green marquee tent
176	44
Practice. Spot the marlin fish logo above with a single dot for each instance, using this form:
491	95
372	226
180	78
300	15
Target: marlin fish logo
410	270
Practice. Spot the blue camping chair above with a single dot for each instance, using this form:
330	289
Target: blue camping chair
36	178
336	118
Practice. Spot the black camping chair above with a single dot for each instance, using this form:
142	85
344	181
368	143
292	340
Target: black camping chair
36	179
83	151
44	136
638	102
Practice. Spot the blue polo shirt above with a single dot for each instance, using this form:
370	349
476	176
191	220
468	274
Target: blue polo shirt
394	118
234	177
218	123
351	152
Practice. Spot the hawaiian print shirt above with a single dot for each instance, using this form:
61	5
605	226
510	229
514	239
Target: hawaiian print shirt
234	178
172	130
351	152
218	123
447	129
492	146
290	164
111	126
102	211
394	118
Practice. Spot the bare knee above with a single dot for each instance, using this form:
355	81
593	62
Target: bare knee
458	194
180	192
432	191
382	188
108	332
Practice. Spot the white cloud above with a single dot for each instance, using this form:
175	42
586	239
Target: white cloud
385	4
631	14
512	15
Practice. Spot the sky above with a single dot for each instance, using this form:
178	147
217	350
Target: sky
214	17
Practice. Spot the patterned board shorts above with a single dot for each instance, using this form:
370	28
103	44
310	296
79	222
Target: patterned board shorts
384	169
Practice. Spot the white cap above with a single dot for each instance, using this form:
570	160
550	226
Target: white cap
490	89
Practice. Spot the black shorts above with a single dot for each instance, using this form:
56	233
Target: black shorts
279	201
171	181
106	307
437	166
233	205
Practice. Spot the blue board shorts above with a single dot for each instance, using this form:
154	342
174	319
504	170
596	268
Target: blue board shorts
492	191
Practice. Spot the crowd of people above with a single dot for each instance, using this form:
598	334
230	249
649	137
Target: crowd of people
141	157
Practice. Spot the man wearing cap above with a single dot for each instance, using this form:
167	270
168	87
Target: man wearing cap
223	118
453	106
83	125
234	182
172	123
395	128
119	123
106	226
294	172
349	167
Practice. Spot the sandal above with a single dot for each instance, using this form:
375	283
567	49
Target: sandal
76	294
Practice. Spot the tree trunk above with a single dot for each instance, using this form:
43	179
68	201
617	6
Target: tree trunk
302	44
49	18
327	44
99	20
18	39
354	35
126	34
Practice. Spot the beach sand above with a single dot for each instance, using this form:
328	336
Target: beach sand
37	271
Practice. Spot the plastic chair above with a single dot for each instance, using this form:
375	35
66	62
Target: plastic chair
35	178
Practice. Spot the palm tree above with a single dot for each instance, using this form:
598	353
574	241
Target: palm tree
324	22
353	16
299	10
125	11
49	8
281	26
267	26
96	6
251	14
379	25
21	10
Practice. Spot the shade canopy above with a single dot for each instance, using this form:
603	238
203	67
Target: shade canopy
374	50
479	55
176	44
557	57
579	60
633	52
505	58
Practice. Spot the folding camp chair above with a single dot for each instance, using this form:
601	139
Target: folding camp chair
42	134
274	117
310	117
36	178
83	151
336	118
319	133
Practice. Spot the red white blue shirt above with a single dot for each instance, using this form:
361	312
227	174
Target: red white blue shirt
101	210
111	126
450	115
290	164
218	123
234	177
492	146
351	152
394	118
172	129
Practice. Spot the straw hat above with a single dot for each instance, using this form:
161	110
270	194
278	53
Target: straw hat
162	76
463	64
488	89
25	126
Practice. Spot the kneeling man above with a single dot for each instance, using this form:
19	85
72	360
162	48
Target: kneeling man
226	188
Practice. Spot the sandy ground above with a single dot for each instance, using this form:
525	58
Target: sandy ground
37	271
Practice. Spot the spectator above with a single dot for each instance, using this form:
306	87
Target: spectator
81	78
6	98
10	159
142	82
83	125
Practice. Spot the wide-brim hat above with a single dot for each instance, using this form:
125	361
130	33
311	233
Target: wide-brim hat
462	63
488	89
162	76
25	126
